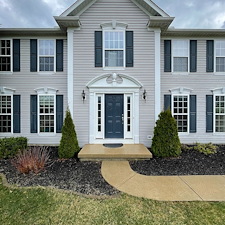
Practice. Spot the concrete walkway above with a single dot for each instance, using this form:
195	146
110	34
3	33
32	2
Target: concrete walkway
163	188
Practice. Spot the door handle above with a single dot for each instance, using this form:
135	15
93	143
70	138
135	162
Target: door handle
122	118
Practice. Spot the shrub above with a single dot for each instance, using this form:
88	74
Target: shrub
166	142
31	160
68	144
9	147
206	149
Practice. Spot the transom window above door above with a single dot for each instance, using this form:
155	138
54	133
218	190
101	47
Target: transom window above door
114	48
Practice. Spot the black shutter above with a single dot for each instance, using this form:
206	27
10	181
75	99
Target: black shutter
16	113
33	55
209	113
193	113
167	102
210	56
16	55
193	56
129	49
59	113
33	113
98	48
167	55
59	55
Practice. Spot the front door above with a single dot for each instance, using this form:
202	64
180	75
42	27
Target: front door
114	116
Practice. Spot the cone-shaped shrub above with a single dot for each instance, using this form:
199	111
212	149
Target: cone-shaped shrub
166	142
68	144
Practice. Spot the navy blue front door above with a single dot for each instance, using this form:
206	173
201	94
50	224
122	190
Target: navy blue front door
113	116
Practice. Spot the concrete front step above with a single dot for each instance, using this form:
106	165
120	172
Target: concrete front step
98	152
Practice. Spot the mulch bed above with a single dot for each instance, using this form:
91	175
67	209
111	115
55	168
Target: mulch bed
85	177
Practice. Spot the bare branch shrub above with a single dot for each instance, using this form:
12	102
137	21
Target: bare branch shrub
33	159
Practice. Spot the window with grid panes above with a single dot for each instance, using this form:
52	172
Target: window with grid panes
46	55
219	113
5	113
114	48
180	55
46	113
220	56
5	55
180	112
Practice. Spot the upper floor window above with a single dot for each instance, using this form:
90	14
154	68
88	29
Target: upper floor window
46	55
114	48
180	55
5	113
220	56
5	55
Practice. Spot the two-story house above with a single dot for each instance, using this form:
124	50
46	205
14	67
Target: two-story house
116	65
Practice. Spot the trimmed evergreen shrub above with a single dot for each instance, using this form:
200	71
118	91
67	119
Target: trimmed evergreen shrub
166	142
9	147
68	144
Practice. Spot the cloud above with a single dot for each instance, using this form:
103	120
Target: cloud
39	13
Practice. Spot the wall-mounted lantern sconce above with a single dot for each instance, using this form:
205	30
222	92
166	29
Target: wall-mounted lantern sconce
144	95
83	95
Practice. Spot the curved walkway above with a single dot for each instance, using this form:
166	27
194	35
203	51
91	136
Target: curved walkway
163	188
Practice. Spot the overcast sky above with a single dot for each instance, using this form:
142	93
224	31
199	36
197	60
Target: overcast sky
39	13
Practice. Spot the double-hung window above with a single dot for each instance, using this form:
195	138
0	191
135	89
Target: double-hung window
5	55
180	51
180	111
46	108
5	113
46	52
114	48
220	56
219	101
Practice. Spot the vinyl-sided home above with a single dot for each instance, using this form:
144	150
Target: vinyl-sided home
116	65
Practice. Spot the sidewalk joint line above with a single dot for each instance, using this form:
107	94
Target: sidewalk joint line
191	188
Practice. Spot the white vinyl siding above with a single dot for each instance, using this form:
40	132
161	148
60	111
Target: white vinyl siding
5	55
180	53
114	48
46	55
220	56
180	111
5	113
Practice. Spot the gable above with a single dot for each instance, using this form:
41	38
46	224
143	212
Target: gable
157	17
147	6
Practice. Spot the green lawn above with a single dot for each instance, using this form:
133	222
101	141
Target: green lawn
47	206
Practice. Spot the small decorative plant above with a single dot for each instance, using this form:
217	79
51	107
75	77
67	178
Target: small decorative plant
166	142
68	144
206	149
33	160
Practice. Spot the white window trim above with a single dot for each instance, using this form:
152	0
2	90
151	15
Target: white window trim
11	58
39	114
215	56
8	133
38	56
188	110
124	49
172	55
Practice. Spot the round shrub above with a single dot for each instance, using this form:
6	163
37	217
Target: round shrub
68	144
166	142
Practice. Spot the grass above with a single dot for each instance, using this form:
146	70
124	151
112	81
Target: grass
49	206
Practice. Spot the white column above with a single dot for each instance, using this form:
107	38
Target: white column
157	73
70	69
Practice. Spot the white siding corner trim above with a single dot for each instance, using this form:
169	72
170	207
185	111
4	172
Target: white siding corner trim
70	69
157	74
